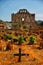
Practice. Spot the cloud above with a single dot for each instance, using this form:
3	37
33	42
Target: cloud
39	16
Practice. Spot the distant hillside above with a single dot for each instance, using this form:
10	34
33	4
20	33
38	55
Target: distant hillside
1	21
39	21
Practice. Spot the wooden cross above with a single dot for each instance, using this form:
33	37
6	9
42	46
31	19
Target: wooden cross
19	54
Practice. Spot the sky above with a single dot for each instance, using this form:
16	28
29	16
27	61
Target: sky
7	7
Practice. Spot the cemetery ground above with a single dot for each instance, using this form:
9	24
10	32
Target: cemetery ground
35	56
21	53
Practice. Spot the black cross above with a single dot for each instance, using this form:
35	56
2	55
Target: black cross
19	60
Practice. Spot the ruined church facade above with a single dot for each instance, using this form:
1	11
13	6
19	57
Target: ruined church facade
23	20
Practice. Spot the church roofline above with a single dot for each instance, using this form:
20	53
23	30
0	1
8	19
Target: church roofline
23	11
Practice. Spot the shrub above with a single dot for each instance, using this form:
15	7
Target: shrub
32	39
21	40
8	36
5	37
